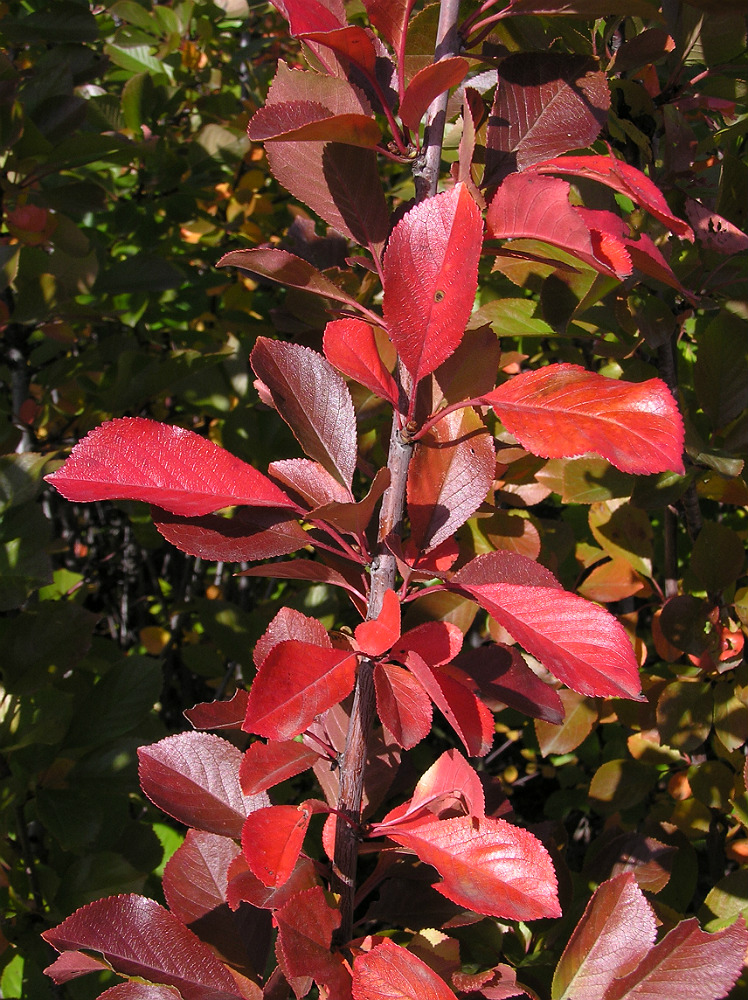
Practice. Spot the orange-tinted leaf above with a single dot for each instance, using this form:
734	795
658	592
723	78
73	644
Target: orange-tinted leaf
389	972
562	411
430	278
132	458
579	717
267	764
376	636
427	84
402	704
219	714
612	581
351	347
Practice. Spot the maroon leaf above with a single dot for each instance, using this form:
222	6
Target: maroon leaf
390	18
306	924
195	878
528	206
72	964
354	518
579	642
194	777
310	480
714	230
267	764
251	533
219	714
449	691
503	678
402	704
350	346
309	121
313	400
487	865
375	637
430	278
389	972
625	179
132	458
499	983
245	887
286	268
272	839
142	991
615	932
296	682
563	411
590	9
137	937
452	470
546	103
302	569
351	43
427	84
310	15
290	624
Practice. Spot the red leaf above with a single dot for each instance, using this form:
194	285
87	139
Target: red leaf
290	624
72	964
376	636
286	268
354	518
563	411
402	705
487	865
310	480
390	18
389	972
534	207
267	764
583	645
309	15
668	969
272	839
303	569
194	777
313	400
132	458
251	533
306	924
625	179
546	103
503	678
350	346
435	642
615	932
427	84
430	278
452	470
137	937
195	877
296	682
449	691
141	991
449	785
351	43
245	887
309	121
714	230
219	714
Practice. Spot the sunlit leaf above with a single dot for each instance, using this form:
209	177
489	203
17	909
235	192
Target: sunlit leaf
389	972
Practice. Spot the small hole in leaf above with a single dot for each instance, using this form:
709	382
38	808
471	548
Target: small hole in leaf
438	295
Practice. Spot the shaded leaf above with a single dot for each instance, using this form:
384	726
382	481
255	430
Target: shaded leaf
389	972
427	84
267	764
194	879
350	346
140	991
302	569
562	411
243	886
714	231
313	400
350	517
287	269
314	484
390	18
251	533
430	278
503	678
306	924
402	704
586	8
132	458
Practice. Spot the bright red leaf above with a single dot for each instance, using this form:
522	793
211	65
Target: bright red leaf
309	15
137	937
194	777
290	624
296	682
402	704
272	839
389	972
244	887
427	84
306	924
436	642
267	764
450	784
376	636
350	346
562	411
352	43
390	18
132	458
583	645
219	714
250	533
430	278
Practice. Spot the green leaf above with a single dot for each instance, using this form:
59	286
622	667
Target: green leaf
63	21
139	59
621	784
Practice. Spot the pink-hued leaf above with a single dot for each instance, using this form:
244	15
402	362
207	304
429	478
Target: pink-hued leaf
615	932
430	278
402	705
583	645
290	624
530	206
272	839
687	963
251	533
219	714
390	18
306	924
351	43
303	569
244	887
436	642
449	691
427	84
625	179
546	103
287	269
714	230
590	9
195	878
354	518
309	121
143	991
389	972
487	865
376	636
296	682
473	114
310	480
313	400
137	937
267	764
310	15
449	785
350	346
194	777
132	458
503	678
563	411
452	470
72	964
